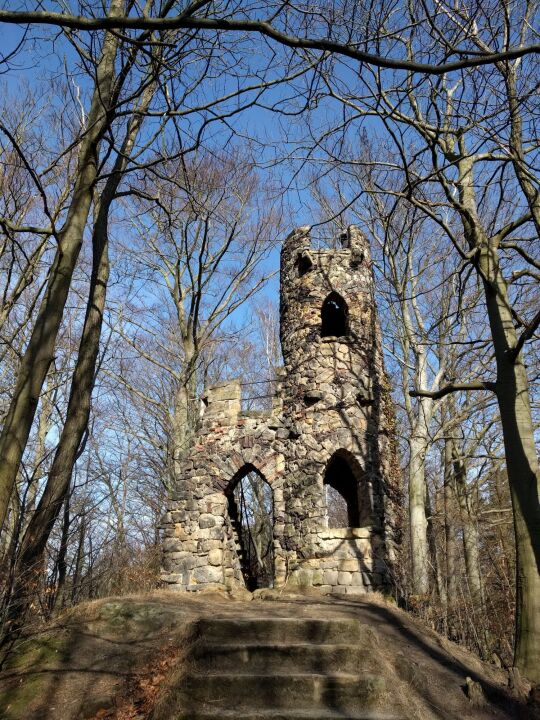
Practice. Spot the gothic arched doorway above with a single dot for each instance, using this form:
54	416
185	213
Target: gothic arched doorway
346	493
251	512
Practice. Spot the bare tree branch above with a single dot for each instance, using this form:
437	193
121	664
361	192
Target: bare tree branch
185	21
454	387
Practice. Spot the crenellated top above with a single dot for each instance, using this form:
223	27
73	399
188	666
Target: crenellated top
221	403
326	295
297	251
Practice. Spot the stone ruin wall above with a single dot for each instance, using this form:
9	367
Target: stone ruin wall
333	397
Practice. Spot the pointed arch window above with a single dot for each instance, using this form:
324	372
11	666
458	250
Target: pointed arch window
346	493
334	316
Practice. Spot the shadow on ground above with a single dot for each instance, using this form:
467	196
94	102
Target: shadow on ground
120	657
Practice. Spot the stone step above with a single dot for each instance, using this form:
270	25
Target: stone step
276	714
284	630
343	692
257	658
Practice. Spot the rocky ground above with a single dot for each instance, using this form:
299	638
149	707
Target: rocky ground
170	656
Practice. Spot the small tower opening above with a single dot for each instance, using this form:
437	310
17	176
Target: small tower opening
304	263
334	316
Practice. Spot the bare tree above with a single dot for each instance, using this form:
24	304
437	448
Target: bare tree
451	158
201	242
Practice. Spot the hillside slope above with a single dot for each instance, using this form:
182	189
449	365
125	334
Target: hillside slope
140	657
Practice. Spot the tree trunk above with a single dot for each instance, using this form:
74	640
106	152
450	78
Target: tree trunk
40	350
471	536
512	390
417	507
42	521
79	559
524	481
62	554
184	419
78	411
434	559
450	536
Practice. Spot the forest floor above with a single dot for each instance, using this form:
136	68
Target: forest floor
113	659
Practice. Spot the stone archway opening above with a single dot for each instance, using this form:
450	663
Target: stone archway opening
251	513
346	496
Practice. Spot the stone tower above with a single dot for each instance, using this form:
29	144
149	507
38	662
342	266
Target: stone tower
328	440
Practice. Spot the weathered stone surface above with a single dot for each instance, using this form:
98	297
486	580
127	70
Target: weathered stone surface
332	401
207	521
330	577
215	557
208	574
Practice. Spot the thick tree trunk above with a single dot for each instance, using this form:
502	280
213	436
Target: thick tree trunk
40	350
78	411
524	480
512	389
513	396
41	523
184	420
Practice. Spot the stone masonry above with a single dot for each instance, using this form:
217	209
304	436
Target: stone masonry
332	421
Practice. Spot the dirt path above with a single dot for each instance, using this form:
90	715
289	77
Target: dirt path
114	658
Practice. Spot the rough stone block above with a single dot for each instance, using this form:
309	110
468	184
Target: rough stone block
349	565
344	578
180	533
171	545
330	577
208	574
215	557
355	590
171	578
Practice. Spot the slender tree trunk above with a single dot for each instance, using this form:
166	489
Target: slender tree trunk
40	350
450	536
433	549
417	506
62	553
184	419
471	535
79	560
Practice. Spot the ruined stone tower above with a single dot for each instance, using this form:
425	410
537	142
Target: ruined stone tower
329	438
